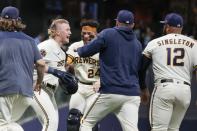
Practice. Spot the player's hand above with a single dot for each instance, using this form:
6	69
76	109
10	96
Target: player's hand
96	86
145	95
37	88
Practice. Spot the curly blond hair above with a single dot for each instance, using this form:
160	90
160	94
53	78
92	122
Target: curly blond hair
11	24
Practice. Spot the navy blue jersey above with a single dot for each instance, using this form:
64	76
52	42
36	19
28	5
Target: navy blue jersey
120	56
18	53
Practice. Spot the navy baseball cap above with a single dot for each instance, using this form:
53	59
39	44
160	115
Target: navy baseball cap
10	12
173	19
125	16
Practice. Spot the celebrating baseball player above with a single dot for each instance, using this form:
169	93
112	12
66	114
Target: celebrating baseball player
44	102
174	57
120	57
18	54
87	71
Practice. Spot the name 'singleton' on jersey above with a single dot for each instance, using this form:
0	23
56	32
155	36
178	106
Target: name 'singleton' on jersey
88	60
175	41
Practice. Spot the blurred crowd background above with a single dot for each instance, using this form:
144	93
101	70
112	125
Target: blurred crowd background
37	15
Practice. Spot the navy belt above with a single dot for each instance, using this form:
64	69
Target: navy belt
171	80
91	83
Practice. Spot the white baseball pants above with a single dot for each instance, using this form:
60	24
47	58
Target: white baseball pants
46	109
80	99
169	103
124	107
12	108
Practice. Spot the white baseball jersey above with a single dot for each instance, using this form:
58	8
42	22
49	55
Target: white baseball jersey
173	55
86	69
54	57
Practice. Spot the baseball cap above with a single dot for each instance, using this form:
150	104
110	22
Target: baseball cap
173	19
125	16
10	12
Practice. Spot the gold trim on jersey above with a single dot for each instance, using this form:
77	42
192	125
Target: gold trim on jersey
70	59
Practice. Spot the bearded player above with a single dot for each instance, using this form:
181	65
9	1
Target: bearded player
174	58
87	71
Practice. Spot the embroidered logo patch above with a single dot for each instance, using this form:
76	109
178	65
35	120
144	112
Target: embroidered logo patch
43	52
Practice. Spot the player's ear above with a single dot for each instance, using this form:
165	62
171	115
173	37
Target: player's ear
57	33
167	28
133	25
117	23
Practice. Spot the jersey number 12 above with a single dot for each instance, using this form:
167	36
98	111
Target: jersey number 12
175	56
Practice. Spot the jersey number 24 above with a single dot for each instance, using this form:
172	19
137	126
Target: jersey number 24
175	56
92	73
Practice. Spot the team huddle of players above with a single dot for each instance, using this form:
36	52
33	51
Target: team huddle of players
110	67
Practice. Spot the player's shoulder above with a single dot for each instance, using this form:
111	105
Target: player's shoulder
188	38
45	44
24	36
154	41
106	32
73	47
27	36
77	44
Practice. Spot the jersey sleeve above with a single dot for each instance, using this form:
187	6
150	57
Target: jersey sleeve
149	49
94	46
70	50
71	54
45	52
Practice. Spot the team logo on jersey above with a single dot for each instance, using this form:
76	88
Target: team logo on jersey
74	60
43	52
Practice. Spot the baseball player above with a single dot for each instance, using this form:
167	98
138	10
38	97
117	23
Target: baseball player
174	57
44	102
120	57
18	54
87	71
